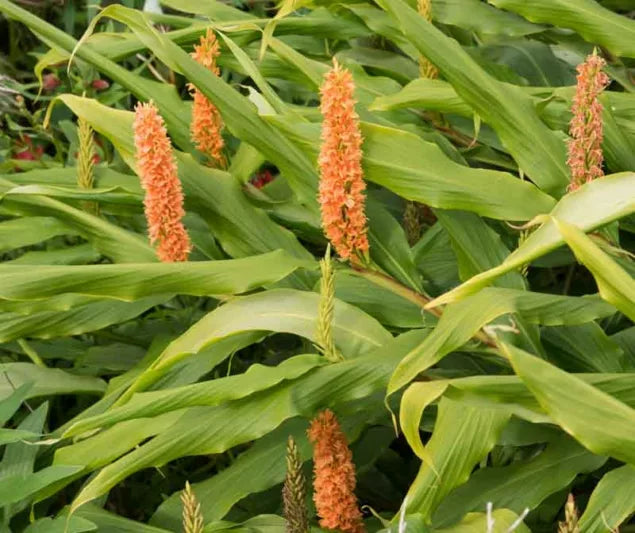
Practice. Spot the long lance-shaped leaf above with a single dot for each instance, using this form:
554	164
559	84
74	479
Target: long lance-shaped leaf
280	310
114	242
80	319
579	408
246	420
540	152
214	392
472	432
419	170
438	95
616	285
507	393
462	320
612	501
520	485
132	282
595	23
593	205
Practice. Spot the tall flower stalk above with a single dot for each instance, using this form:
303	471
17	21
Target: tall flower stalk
341	190
207	124
415	214
324	334
163	202
585	146
426	68
294	492
192	516
334	476
86	162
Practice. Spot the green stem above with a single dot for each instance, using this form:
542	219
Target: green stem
385	281
31	353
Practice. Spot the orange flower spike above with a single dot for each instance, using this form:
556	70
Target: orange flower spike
341	189
334	476
163	202
207	123
585	146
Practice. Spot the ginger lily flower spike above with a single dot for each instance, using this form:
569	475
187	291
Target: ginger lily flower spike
334	480
585	146
207	123
163	202
341	190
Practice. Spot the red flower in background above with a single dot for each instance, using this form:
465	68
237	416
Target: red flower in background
261	179
100	85
28	151
50	82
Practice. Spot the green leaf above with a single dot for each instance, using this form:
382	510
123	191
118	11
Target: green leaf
419	170
215	392
615	284
595	23
612	502
462	436
132	282
17	487
462	320
111	523
280	310
245	420
46	381
540	153
479	17
504	519
11	403
27	231
114	242
593	205
80	319
578	407
8	436
520	485
61	525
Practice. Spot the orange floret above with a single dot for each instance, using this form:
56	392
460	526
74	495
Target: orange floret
207	123
585	146
334	476
341	190
163	202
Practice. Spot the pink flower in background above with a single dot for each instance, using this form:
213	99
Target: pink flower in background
585	146
163	200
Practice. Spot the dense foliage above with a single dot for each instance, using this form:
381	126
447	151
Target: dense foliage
171	313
